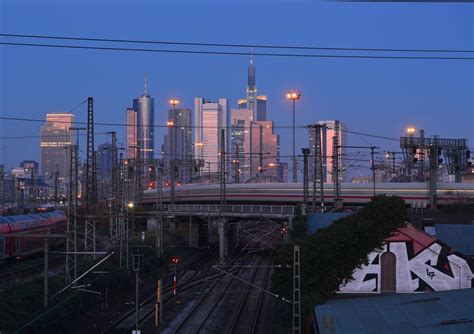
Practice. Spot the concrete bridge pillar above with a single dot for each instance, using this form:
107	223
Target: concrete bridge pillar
193	233
223	239
234	235
172	226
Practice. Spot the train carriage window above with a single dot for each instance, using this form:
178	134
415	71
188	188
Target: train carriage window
2	247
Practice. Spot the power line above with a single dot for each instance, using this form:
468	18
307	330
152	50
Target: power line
239	45
190	127
230	53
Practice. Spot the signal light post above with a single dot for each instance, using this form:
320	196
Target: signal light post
174	260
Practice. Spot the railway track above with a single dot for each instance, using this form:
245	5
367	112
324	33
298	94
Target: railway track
29	268
247	317
229	295
188	277
191	280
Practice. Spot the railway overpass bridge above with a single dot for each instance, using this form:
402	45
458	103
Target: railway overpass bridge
204	219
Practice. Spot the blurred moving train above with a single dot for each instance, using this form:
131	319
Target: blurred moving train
18	247
292	193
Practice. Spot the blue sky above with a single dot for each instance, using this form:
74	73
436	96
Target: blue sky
372	96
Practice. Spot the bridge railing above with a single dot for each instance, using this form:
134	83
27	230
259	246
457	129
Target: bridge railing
234	209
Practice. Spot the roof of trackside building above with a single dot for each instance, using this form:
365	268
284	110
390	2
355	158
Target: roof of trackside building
434	312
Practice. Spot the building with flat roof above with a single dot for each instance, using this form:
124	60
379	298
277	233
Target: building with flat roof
434	312
132	133
178	143
56	137
327	135
209	119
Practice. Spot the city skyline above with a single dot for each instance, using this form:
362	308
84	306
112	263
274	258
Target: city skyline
381	97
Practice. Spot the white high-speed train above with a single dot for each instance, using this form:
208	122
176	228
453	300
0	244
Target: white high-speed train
292	193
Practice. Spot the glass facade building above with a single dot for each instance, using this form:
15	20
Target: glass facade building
209	119
132	136
145	106
56	137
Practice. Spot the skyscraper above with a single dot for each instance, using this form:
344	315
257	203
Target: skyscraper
261	113
209	119
56	137
264	150
251	86
104	170
132	133
240	120
327	135
104	161
145	106
180	136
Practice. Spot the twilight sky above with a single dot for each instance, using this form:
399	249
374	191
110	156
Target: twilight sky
372	96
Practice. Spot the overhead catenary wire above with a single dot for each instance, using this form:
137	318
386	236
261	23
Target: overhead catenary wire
234	45
187	126
233	53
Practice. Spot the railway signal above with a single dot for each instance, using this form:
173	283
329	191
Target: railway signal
174	261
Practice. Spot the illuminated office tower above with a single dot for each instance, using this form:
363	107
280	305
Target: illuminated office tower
209	119
144	106
180	135
327	135
132	133
56	137
264	149
240	120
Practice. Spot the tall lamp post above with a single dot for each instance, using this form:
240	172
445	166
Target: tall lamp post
293	96
170	124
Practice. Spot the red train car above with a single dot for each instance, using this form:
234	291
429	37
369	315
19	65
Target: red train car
18	247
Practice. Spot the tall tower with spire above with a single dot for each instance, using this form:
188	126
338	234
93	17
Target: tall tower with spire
251	87
144	106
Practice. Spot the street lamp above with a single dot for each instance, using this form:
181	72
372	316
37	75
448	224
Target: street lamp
174	103
293	96
411	131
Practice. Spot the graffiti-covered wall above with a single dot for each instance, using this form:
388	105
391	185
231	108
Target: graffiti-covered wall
411	260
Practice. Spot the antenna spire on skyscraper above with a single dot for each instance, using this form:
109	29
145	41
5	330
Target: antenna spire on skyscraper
251	56
146	84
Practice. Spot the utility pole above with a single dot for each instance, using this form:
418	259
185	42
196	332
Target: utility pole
91	179
56	187
296	291
71	229
372	153
159	209
318	175
305	179
260	152
138	264
236	163
209	172
335	166
222	222
33	190
434	153
114	188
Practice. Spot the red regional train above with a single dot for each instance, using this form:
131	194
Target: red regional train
17	247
